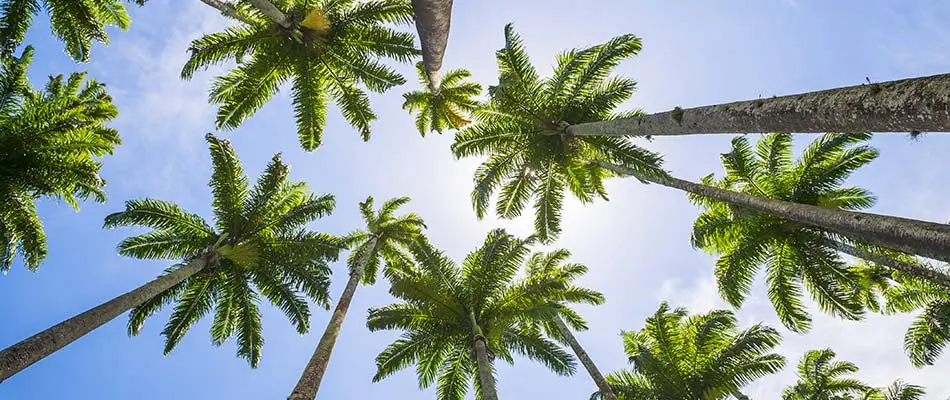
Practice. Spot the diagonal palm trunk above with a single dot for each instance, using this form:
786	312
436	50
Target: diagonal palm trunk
908	105
309	382
606	392
272	12
927	239
486	378
15	358
915	270
433	19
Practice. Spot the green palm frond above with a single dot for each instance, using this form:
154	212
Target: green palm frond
446	109
323	64
258	248
820	376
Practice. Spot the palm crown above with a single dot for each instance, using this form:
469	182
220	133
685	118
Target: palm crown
386	236
335	46
552	265
795	255
703	356
820	376
446	308
521	131
76	22
446	109
259	238
50	142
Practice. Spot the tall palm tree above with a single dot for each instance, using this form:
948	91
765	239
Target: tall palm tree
821	377
530	154
458	320
387	238
328	50
50	142
677	356
433	20
898	390
560	327
447	108
76	22
259	238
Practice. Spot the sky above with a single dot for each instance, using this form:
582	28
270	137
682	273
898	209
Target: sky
636	245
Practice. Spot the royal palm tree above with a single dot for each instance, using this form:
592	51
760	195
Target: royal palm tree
327	49
50	142
821	377
898	390
458	320
386	239
76	22
433	19
560	327
258	240
446	109
677	356
530	154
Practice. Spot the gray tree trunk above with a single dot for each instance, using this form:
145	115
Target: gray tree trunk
309	383
606	392
15	358
927	239
486	376
908	105
272	12
918	271
226	9
433	20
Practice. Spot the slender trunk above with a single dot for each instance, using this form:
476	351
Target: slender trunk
606	392
226	9
15	358
923	238
272	12
309	382
918	271
486	376
739	396
908	105
433	20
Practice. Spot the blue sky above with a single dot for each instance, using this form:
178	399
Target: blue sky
636	245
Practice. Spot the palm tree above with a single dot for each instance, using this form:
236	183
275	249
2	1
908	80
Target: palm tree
458	320
873	107
76	22
560	327
387	237
530	154
898	390
50	142
433	19
328	49
446	109
820	377
677	356
259	238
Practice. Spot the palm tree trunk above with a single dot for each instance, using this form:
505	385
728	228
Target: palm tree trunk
309	382
226	9
15	358
486	377
923	238
606	392
918	271
908	105
433	19
272	12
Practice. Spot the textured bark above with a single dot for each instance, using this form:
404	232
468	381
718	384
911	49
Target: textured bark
486	376
606	392
433	20
309	383
922	238
15	358
272	12
908	105
918	271
226	9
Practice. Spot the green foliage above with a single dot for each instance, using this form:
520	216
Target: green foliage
386	237
704	356
447	109
821	377
552	266
321	65
78	23
259	245
797	258
438	298
521	131
50	144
